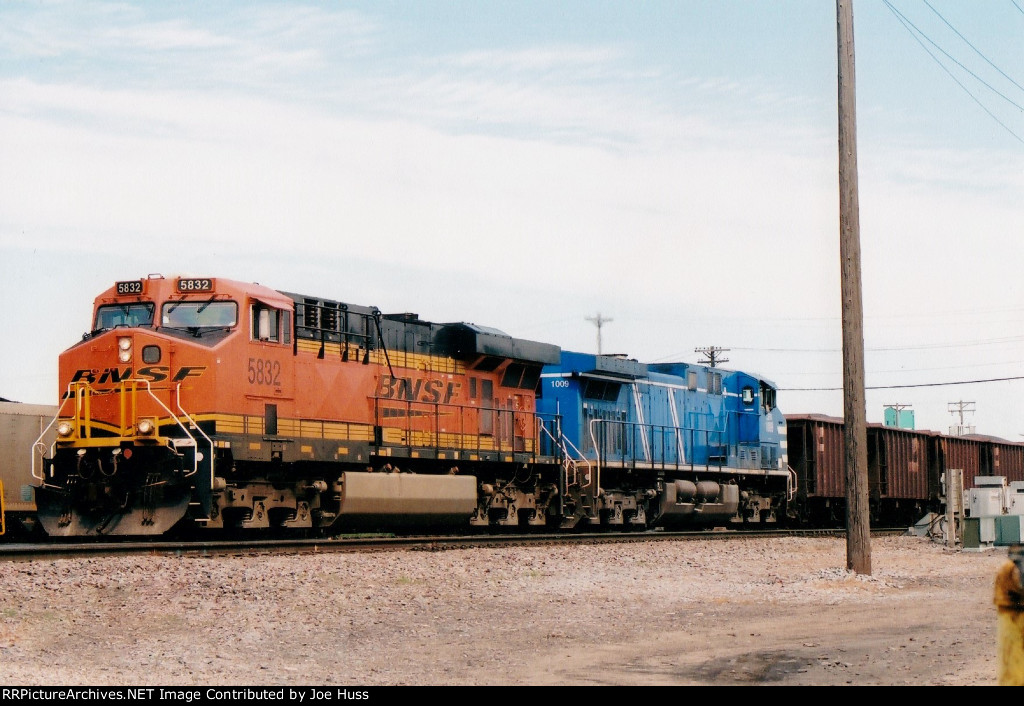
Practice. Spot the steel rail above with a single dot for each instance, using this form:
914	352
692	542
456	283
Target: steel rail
368	543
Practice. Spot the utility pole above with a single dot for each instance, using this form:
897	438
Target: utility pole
712	353
599	321
959	408
897	408
858	527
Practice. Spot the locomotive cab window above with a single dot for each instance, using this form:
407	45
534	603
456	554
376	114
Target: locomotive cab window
270	324
747	394
113	315
767	397
197	314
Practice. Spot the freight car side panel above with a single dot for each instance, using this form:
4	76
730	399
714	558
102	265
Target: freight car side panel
20	426
898	463
957	452
1007	460
816	454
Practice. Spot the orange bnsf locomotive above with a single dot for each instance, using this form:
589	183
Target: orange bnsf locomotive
202	402
241	406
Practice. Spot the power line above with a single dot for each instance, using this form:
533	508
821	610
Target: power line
882	349
907	25
888	349
900	387
972	366
753	349
977	51
885	349
877	319
949	56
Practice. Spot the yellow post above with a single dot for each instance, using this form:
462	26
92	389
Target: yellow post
1009	600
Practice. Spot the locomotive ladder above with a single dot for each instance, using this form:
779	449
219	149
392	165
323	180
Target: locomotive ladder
570	466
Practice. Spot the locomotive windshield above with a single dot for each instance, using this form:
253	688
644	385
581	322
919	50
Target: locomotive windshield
114	315
199	314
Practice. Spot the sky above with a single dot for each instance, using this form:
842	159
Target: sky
669	166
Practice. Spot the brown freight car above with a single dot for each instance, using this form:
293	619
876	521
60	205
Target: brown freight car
902	486
906	469
902	474
998	457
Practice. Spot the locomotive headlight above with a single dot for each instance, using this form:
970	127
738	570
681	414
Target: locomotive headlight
124	349
64	429
146	427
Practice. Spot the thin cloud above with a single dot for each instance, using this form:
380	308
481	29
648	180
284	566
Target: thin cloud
549	59
343	154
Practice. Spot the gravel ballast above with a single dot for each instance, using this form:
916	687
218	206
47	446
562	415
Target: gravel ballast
773	611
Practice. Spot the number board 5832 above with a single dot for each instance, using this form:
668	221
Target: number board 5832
195	284
130	287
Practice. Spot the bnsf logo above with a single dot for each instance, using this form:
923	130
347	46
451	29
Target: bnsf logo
153	373
416	389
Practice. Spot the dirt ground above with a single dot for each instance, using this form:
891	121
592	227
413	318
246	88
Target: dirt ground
755	611
906	643
922	623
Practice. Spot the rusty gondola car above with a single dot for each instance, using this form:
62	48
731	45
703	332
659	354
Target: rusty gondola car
906	469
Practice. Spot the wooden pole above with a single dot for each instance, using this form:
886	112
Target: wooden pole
858	530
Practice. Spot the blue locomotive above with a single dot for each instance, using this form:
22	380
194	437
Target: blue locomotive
664	444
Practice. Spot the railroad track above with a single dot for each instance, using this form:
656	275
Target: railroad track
367	543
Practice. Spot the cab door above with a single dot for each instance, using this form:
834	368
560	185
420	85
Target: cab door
269	372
